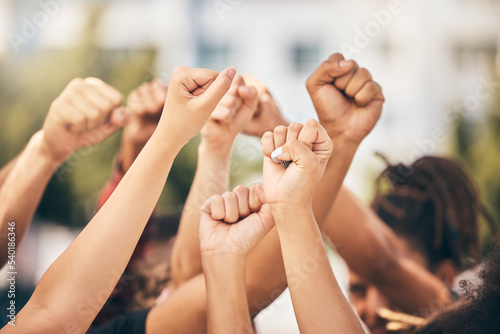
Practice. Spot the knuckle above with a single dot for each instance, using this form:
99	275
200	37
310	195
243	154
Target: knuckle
75	82
364	72
240	189
312	123
281	128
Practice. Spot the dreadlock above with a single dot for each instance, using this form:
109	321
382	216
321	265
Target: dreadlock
434	204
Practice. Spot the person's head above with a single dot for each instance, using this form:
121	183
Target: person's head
478	313
435	208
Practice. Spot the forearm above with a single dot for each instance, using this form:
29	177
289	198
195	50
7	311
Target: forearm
22	190
131	146
211	178
381	260
129	152
91	266
327	189
5	171
226	295
351	223
307	268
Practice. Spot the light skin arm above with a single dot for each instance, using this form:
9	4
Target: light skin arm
212	174
76	286
5	171
230	226
76	119
318	310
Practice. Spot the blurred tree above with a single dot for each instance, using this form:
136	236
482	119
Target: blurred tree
28	85
477	145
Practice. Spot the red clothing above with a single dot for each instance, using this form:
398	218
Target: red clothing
122	296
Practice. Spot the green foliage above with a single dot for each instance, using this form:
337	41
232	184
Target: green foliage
477	145
28	85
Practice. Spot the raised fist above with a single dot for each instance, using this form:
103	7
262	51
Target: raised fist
234	222
347	100
192	96
84	114
307	149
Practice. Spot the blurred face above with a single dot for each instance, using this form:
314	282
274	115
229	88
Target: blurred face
367	300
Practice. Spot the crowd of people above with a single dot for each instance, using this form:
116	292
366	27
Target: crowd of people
236	250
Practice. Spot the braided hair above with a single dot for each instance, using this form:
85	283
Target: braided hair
433	204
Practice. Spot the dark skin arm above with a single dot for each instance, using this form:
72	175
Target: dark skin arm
338	90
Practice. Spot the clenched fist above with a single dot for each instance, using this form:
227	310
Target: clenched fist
231	115
145	105
308	147
235	222
267	115
86	113
347	100
192	96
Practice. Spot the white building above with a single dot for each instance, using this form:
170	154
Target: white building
427	55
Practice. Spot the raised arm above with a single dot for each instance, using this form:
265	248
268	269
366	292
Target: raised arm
232	114
319	304
77	118
78	283
381	261
230	226
349	103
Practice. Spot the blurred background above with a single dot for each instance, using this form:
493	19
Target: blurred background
437	61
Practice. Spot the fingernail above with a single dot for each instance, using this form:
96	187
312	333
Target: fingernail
276	153
344	63
231	72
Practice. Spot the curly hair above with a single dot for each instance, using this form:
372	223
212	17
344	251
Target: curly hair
479	313
435	205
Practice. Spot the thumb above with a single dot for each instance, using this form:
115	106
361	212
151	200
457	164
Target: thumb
119	117
217	89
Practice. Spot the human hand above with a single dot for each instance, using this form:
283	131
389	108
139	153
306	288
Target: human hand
235	222
268	115
84	114
231	115
308	147
192	96
347	100
145	105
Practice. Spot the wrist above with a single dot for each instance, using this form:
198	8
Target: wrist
45	152
167	141
339	138
287	211
343	148
217	152
217	263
